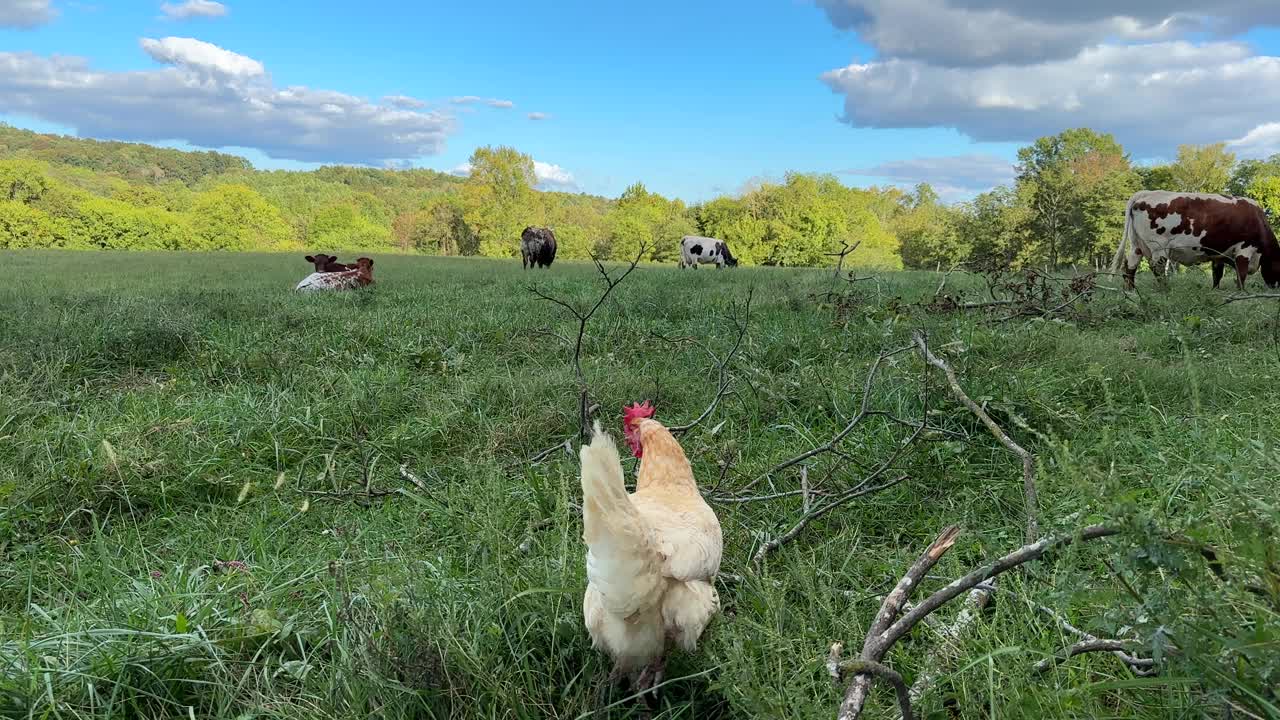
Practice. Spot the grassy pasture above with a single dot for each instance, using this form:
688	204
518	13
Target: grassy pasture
183	443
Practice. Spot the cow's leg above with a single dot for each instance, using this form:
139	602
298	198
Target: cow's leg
1242	271
1218	267
1160	269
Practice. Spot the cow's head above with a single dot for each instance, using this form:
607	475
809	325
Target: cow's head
1271	271
325	263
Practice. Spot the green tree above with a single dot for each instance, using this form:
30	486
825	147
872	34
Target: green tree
1246	171
235	217
1156	177
1065	179
22	181
927	232
114	225
1266	190
23	226
1203	168
499	199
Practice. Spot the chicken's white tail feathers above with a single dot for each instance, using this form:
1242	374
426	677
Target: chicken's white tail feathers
623	562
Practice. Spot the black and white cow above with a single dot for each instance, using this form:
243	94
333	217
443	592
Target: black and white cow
695	251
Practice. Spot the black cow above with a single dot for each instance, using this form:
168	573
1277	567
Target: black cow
537	246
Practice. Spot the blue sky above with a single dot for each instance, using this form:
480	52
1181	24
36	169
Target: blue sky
694	99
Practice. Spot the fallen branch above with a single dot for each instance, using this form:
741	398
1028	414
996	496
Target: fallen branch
944	653
722	365
583	317
1257	296
1028	460
868	668
410	477
873	649
812	515
1142	667
885	632
830	446
1084	646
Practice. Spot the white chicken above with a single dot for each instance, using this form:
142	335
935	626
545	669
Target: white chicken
652	555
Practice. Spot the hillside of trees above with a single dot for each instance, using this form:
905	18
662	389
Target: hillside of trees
1065	207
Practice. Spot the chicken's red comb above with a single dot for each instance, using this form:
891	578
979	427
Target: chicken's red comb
636	412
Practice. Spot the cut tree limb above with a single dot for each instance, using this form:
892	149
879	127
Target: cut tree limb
885	632
1028	460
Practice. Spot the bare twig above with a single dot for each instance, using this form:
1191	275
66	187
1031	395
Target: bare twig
583	317
722	366
812	515
1142	667
1082	647
410	477
943	282
1028	460
863	413
1256	296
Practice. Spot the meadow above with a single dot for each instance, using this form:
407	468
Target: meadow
203	512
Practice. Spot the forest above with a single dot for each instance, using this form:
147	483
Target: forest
1064	208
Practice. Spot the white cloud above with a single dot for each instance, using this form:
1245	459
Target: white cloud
193	9
553	176
954	177
964	33
26	14
1152	96
1260	142
476	100
548	176
1155	73
404	101
202	57
211	97
539	116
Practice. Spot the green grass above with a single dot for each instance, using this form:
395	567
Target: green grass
162	415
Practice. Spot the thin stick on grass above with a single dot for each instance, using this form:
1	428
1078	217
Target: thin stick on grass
831	445
1028	460
1095	645
722	366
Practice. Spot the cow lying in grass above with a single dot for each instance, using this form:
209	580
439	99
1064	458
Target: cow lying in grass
360	277
328	263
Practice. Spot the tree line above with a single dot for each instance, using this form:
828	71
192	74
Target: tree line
1065	207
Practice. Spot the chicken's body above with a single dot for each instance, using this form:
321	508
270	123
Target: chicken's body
652	555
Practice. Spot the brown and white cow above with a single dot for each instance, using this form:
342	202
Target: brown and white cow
344	280
1190	228
328	263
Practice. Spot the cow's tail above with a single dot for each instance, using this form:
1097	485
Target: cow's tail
1118	263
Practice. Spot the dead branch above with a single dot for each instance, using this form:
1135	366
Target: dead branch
812	515
884	632
1142	667
410	477
863	413
722	365
1028	460
949	640
867	668
943	282
860	687
1082	647
1256	296
583	317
